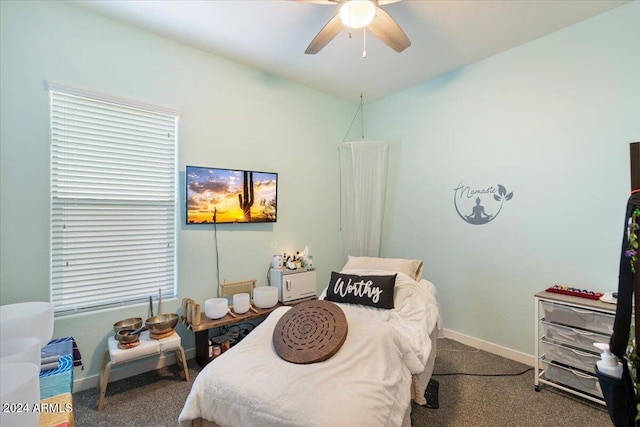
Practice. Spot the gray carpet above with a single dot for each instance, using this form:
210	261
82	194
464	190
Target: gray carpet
499	400
155	398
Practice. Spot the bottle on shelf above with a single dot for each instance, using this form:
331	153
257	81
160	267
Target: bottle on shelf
609	363
298	260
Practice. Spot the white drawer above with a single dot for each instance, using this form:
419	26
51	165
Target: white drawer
577	317
573	378
576	337
570	356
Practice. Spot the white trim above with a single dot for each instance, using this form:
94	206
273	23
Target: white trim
527	359
119	372
126	370
105	97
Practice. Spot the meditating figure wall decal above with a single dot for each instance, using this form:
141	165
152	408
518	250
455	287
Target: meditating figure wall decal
462	202
478	216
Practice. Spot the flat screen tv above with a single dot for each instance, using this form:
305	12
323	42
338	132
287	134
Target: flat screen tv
230	196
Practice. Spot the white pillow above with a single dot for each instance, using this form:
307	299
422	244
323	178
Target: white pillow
410	267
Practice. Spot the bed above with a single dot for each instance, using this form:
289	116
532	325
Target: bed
385	362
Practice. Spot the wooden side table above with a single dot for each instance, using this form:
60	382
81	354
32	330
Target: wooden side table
201	331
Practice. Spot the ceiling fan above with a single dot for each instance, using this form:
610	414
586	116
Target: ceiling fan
359	14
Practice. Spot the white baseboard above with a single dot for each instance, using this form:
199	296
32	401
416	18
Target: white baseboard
119	372
527	359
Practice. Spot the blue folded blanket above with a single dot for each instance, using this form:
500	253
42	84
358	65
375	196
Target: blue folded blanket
61	346
59	380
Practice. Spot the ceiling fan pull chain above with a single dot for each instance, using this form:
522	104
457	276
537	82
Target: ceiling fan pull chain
364	42
361	116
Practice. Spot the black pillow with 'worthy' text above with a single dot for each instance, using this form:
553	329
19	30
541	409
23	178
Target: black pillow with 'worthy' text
374	291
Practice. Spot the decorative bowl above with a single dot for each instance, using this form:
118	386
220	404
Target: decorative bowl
130	323
241	302
162	323
20	383
216	308
126	336
265	296
20	350
27	319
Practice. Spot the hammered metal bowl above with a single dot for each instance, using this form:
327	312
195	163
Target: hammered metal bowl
125	336
162	323
130	323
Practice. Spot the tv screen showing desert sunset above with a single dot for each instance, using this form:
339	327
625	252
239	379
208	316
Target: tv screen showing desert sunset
233	195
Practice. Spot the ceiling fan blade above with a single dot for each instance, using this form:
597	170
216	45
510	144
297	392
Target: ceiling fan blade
328	32
387	30
320	1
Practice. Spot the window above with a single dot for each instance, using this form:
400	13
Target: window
113	201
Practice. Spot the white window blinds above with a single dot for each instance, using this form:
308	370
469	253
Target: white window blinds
113	202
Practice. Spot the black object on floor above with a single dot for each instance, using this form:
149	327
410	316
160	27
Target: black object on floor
431	394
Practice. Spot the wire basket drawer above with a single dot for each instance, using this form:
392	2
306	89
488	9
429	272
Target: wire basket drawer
576	337
578	318
573	378
570	356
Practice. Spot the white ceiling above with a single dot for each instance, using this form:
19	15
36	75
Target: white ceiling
272	35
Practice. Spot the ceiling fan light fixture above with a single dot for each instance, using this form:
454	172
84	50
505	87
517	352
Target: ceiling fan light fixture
357	13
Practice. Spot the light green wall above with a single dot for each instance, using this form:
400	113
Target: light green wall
552	121
231	117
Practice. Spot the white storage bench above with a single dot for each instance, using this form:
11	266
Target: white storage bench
148	347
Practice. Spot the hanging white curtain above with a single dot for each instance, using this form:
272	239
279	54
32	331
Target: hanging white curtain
363	174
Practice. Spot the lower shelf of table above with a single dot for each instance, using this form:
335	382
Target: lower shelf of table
201	331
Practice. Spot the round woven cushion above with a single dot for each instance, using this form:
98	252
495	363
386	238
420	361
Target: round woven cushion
310	332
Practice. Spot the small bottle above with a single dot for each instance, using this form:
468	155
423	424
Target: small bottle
609	364
210	349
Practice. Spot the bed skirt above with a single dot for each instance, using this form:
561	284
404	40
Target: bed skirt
201	422
420	381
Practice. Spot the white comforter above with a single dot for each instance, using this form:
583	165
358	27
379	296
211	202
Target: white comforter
367	382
